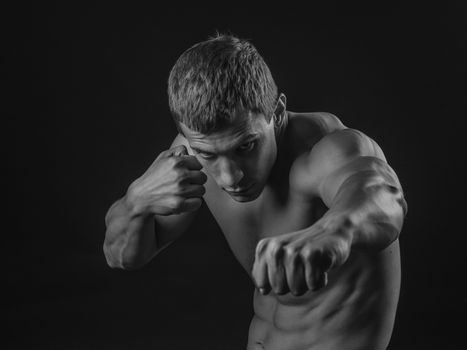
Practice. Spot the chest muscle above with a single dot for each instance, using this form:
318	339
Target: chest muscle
244	224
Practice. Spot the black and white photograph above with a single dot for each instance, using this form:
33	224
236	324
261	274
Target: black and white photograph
235	176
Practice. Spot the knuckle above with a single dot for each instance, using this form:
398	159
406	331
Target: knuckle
262	244
290	251
306	253
275	248
170	162
175	203
179	173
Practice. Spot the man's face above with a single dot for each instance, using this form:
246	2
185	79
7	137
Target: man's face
239	157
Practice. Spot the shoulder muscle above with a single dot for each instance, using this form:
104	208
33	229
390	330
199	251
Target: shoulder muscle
332	153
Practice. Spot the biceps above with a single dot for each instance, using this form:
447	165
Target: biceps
367	170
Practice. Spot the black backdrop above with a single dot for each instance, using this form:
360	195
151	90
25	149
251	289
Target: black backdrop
87	113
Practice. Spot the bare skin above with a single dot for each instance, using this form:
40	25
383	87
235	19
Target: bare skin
313	228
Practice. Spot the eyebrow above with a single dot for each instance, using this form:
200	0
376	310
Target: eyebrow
249	138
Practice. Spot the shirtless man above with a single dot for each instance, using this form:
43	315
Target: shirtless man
309	207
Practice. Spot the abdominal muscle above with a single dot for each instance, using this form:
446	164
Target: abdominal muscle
356	310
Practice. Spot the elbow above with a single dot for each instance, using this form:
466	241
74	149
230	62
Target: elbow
395	206
386	218
118	260
403	203
131	265
400	212
110	257
395	219
401	216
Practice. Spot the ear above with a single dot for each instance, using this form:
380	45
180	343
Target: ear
281	107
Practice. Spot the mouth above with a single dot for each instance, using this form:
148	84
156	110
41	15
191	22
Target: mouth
240	192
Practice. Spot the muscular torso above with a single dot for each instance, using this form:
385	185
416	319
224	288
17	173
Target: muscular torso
356	309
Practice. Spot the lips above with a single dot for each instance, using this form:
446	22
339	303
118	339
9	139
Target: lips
242	191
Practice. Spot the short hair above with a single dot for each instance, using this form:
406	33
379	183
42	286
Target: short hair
213	79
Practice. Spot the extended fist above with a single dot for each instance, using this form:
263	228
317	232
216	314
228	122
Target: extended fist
299	261
173	184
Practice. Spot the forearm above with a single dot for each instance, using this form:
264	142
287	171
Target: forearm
130	239
371	206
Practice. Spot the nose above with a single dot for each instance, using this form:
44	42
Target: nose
230	174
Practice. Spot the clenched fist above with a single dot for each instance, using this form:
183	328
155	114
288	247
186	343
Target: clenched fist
173	184
299	261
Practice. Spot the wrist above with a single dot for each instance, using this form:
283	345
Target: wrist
134	203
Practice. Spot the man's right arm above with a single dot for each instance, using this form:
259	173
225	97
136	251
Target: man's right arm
157	208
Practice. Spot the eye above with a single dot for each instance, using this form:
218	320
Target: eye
205	155
247	147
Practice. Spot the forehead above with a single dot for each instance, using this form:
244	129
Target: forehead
246	126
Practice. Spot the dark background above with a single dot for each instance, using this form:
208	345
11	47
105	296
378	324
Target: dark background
87	113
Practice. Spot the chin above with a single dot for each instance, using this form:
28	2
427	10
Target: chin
243	199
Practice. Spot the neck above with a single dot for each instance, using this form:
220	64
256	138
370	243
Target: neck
280	170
